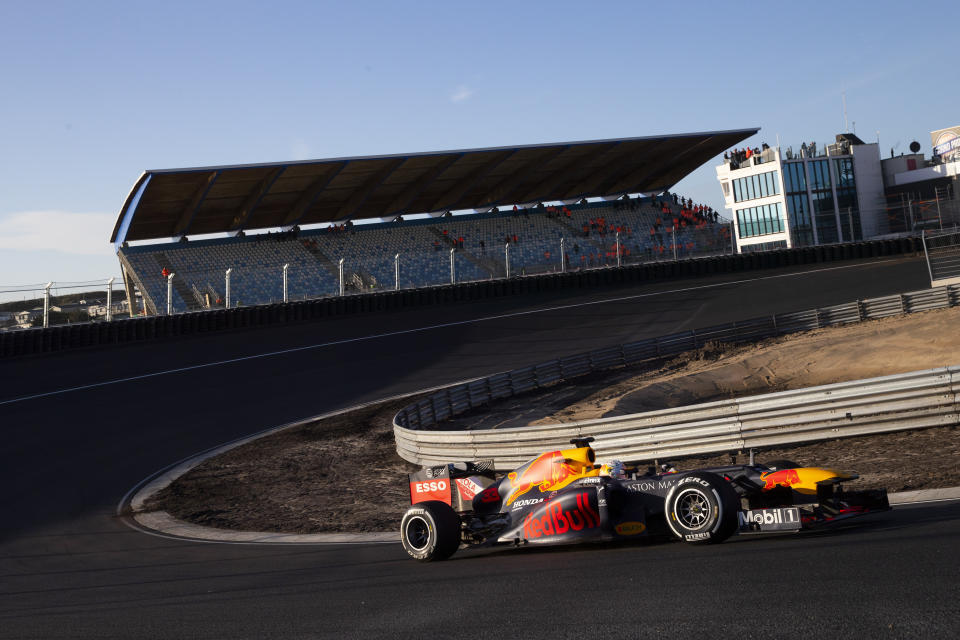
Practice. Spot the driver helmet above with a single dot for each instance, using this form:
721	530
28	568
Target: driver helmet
614	469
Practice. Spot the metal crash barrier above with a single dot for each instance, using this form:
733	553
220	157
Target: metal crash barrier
890	403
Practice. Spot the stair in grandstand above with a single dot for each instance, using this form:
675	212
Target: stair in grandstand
205	300
179	284
216	298
367	280
148	300
352	279
494	266
486	264
576	233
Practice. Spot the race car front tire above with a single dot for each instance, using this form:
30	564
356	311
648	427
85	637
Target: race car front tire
702	508
430	531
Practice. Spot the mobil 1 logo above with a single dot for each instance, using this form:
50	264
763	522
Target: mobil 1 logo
779	519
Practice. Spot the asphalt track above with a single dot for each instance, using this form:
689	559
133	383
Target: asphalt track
70	568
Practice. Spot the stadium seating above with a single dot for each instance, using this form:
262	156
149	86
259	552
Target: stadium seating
588	231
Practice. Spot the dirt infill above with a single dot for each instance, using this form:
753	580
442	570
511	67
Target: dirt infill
338	474
343	473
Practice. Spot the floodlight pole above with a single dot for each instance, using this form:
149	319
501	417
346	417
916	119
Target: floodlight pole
506	258
563	260
396	272
170	294
286	268
453	268
618	249
226	293
110	299
340	266
46	304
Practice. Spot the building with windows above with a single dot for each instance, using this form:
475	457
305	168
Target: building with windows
783	199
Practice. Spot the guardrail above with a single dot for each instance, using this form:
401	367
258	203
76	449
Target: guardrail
74	336
904	401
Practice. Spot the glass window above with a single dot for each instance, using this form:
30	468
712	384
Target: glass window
736	190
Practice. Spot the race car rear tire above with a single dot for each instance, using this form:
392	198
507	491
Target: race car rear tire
776	465
430	531
702	508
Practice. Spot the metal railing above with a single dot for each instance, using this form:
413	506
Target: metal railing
912	400
943	256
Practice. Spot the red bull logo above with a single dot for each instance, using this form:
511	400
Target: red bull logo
547	472
781	478
556	521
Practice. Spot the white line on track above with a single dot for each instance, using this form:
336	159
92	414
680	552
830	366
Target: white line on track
421	329
900	504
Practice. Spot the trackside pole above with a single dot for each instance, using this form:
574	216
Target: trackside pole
110	299
396	272
506	258
340	265
936	194
563	259
170	294
226	293
286	268
453	268
46	304
926	254
618	249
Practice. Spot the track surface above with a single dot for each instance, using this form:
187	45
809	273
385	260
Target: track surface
70	568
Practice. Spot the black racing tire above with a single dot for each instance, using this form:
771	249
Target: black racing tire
430	531
702	508
776	465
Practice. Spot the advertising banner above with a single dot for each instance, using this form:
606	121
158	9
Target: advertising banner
946	142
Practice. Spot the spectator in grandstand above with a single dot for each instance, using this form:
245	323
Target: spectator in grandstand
165	273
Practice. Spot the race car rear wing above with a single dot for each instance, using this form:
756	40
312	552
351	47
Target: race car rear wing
455	484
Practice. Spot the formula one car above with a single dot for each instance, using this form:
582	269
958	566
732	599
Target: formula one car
563	497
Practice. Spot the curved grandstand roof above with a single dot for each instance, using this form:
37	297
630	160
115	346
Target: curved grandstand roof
174	202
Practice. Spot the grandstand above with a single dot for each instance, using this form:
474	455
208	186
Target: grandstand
173	203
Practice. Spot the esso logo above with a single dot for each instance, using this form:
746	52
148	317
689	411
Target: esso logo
430	487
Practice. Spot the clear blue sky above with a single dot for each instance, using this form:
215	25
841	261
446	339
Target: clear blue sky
93	92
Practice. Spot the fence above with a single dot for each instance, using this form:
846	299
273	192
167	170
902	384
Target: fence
943	257
866	406
81	335
196	276
44	305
